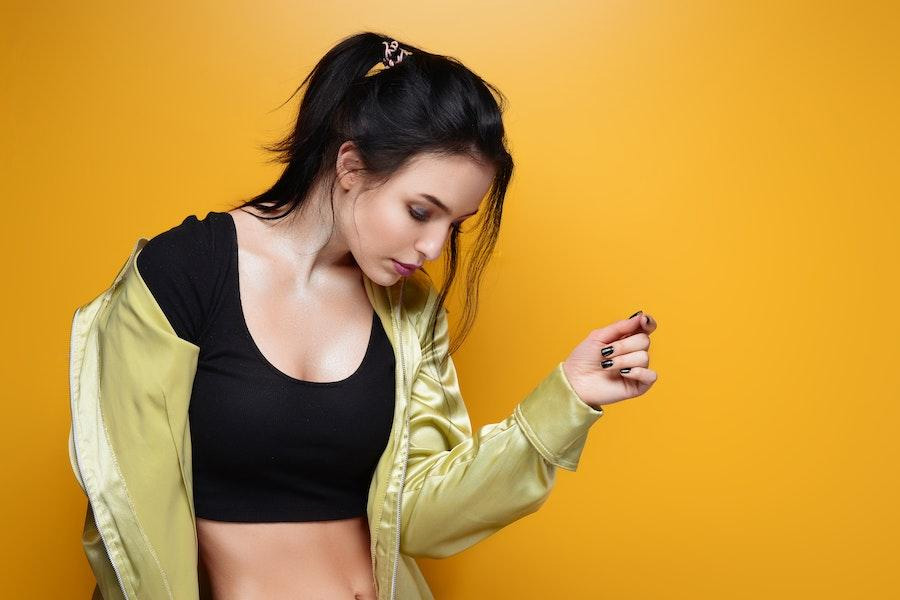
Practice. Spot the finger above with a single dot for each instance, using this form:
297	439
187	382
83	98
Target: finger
648	323
641	374
637	341
640	358
619	329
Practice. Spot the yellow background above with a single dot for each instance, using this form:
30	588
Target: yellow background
729	167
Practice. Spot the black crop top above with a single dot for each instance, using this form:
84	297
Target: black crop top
266	447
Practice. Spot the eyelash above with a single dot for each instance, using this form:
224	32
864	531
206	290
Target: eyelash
417	216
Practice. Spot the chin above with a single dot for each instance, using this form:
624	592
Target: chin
385	277
387	281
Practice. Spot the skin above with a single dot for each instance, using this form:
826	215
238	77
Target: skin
305	305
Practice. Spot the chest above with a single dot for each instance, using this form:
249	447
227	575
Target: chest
288	394
317	333
317	339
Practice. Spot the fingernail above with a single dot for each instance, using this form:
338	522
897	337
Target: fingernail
647	321
607	351
626	370
635	314
606	363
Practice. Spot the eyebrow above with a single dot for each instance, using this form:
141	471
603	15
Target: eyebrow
443	206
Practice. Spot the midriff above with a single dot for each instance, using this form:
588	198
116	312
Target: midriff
322	560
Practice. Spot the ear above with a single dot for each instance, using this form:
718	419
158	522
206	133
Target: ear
348	160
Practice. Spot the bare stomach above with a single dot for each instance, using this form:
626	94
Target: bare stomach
321	560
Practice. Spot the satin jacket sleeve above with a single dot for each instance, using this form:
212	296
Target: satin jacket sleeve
127	369
462	486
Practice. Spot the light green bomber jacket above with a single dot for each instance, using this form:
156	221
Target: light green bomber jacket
437	489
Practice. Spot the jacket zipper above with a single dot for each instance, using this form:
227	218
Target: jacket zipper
405	453
78	461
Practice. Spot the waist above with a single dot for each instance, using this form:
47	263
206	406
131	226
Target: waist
286	559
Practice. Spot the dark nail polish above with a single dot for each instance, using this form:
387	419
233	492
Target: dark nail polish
607	351
626	370
635	314
606	363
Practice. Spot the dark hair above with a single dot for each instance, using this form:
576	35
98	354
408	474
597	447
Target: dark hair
426	103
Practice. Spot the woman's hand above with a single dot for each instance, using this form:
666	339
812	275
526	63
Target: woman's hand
625	343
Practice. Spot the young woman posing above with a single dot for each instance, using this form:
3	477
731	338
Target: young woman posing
325	443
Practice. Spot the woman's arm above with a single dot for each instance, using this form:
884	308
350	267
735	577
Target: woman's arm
462	487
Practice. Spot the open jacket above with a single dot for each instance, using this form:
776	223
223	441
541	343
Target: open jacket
437	489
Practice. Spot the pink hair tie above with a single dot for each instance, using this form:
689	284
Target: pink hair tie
390	59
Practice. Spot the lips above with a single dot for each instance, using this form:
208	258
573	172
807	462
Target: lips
402	269
407	265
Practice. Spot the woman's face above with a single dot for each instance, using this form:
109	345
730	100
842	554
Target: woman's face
398	222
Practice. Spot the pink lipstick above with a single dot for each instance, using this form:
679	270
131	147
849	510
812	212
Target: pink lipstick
404	269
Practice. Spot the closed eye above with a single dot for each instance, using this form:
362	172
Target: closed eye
423	216
418	215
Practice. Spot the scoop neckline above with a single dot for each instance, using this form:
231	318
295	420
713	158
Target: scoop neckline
245	329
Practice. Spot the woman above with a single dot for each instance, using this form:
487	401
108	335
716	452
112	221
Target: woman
264	403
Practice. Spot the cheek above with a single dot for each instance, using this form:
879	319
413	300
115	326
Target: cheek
387	229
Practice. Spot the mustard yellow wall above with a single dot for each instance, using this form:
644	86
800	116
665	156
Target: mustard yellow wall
729	167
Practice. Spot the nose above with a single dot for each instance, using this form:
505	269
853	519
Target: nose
431	245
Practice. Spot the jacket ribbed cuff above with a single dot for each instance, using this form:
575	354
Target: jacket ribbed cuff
556	420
